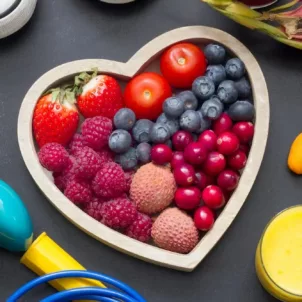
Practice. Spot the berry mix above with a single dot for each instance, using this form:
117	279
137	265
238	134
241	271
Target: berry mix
150	163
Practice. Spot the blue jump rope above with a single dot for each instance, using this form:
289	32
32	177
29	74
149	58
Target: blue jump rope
122	293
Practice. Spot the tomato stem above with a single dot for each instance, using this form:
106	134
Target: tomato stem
181	61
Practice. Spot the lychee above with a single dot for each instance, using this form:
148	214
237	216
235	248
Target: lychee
175	231
152	188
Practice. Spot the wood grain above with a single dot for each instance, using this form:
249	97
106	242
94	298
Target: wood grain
148	56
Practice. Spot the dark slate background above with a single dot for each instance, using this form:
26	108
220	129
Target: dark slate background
62	31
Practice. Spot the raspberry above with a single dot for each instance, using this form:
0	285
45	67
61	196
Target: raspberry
53	157
77	143
140	229
106	155
68	174
60	181
109	181
78	191
96	131
71	171
93	208
128	176
89	163
118	213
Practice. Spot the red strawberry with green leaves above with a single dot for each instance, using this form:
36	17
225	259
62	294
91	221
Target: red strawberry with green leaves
55	118
98	95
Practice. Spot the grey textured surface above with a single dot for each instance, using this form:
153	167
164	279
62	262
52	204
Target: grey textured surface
61	31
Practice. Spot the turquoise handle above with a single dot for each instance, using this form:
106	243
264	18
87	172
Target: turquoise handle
16	231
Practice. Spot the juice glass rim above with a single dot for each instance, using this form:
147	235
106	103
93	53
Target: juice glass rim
260	246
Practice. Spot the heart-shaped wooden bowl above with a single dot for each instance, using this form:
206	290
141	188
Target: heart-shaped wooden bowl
147	59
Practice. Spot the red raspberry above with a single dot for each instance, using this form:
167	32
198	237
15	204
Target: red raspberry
98	199
129	176
96	131
53	157
106	155
140	229
110	181
77	143
78	192
72	169
89	163
60	181
118	213
93	208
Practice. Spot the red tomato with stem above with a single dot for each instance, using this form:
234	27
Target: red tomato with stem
182	63
145	95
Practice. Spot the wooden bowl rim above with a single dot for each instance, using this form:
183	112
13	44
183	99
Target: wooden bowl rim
126	71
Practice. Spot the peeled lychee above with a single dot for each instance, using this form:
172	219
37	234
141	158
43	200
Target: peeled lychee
175	231
152	188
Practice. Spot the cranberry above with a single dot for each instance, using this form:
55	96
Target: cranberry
228	180
244	131
214	163
237	161
161	154
181	139
187	198
177	159
209	139
195	153
184	175
204	218
213	197
201	180
227	194
222	124
227	143
244	148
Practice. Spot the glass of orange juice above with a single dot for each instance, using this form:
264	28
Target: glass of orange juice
279	256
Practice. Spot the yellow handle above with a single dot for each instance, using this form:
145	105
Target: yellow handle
44	256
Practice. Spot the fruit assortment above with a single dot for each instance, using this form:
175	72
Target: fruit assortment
159	160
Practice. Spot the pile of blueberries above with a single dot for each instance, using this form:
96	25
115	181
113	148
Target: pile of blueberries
223	88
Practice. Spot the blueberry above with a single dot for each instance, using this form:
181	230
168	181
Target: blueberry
128	160
172	124
141	130
190	121
242	111
124	119
173	107
159	133
205	123
227	92
216	73
203	88
120	141
235	69
189	99
212	108
243	87
215	54
143	153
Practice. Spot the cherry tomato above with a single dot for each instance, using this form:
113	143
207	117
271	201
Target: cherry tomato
182	63
145	95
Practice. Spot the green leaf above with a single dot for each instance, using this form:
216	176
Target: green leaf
55	94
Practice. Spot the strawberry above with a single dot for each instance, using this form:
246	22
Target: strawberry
100	95
55	118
